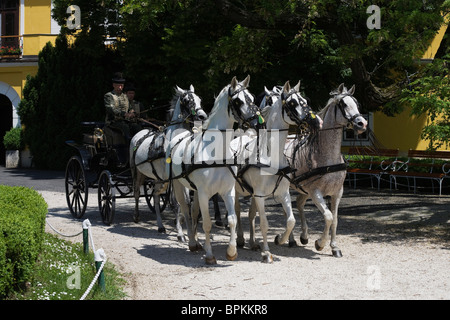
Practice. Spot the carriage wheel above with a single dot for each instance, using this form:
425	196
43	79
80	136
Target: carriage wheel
76	187
149	189
106	197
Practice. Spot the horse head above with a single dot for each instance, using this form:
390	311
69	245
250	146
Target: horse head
241	104
297	109
190	104
349	108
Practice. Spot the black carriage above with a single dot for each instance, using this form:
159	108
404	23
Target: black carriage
101	163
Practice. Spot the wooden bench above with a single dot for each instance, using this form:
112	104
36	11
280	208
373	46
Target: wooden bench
376	162
432	170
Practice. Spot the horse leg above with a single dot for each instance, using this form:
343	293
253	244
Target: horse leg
182	200
156	197
137	182
217	216
195	210
285	200
178	224
335	200
320	203
240	241
203	201
301	200
264	224
229	199
251	218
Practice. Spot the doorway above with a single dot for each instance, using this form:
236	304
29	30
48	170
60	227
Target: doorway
6	123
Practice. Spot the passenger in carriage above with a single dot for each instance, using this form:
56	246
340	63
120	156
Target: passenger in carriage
136	107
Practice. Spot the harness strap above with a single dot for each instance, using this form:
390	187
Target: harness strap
318	171
281	173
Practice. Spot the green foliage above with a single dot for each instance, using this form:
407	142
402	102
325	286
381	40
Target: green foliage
204	43
22	221
429	94
13	139
67	90
58	261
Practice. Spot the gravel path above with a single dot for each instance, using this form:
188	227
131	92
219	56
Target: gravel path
395	246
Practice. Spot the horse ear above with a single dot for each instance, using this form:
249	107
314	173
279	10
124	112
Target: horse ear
341	88
234	82
351	91
191	88
179	90
246	82
266	91
297	86
287	87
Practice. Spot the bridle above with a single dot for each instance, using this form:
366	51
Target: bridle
235	103
342	106
289	108
187	102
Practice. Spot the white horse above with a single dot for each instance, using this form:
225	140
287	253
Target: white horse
202	161
266	172
320	171
147	154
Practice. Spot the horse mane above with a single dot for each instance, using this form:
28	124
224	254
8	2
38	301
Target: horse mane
217	106
336	95
173	104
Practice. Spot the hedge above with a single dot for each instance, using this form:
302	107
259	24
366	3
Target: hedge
22	227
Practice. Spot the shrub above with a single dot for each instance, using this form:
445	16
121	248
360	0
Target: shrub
13	139
22	222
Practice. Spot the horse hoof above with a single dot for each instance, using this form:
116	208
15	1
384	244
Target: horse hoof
240	243
181	239
318	247
292	243
337	253
255	247
232	258
267	257
219	223
303	241
211	261
195	248
136	219
162	230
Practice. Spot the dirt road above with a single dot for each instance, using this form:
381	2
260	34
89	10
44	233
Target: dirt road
395	246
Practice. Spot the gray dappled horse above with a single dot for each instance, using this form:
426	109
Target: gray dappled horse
320	169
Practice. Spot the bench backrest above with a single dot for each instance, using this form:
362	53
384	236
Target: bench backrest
366	151
428	154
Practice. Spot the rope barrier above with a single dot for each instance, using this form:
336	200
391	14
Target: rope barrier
99	255
60	233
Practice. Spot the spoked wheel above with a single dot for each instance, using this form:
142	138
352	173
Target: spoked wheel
149	189
76	187
106	197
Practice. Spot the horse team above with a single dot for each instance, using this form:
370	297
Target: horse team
203	153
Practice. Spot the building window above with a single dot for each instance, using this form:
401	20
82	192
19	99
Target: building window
9	23
349	136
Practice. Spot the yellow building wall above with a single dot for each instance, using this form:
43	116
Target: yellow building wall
37	26
402	131
16	76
